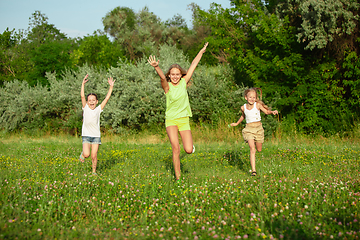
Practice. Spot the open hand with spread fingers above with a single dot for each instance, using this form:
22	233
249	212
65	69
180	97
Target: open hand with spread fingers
111	81
152	61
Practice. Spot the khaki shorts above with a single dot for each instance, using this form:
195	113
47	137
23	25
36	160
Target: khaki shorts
182	123
255	132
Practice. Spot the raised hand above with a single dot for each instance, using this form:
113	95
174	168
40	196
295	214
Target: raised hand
111	81
204	48
152	61
85	79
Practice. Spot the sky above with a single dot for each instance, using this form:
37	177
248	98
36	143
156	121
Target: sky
78	18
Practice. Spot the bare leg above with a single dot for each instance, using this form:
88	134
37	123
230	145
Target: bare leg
187	141
94	151
86	151
258	146
251	143
172	132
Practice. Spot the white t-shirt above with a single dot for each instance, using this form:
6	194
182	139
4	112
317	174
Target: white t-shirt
91	121
252	115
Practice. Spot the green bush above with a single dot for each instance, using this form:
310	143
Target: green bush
137	101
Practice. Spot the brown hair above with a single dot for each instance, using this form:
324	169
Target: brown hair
257	99
183	71
94	94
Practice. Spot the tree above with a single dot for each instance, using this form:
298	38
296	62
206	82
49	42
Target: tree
7	42
227	33
28	55
330	26
97	50
51	56
119	19
261	42
142	33
15	63
177	21
40	31
136	33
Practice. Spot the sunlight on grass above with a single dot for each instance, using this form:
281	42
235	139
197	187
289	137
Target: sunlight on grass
303	191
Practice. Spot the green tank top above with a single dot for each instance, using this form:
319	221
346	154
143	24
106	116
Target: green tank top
177	101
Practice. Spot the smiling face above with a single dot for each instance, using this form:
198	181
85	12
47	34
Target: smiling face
175	75
92	101
251	97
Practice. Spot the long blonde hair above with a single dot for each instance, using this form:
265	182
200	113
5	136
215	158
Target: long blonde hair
254	89
183	71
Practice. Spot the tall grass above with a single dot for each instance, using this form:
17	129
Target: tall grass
306	188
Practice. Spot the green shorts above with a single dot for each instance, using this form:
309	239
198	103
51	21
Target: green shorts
182	123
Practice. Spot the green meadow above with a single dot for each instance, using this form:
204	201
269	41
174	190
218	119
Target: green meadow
305	189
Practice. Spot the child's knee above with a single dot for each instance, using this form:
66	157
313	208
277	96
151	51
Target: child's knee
189	150
176	149
86	155
93	156
259	147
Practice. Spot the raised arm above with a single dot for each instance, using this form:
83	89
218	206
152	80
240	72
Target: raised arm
194	63
267	111
82	93
240	119
108	95
152	61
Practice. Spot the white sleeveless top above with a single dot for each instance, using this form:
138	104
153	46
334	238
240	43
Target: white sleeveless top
252	115
91	121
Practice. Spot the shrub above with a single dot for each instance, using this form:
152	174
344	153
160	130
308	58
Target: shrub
137	101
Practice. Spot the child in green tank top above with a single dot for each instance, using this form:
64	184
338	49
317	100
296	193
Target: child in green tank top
178	108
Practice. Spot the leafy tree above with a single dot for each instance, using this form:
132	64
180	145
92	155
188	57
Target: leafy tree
351	80
97	50
324	24
128	29
142	33
195	38
40	31
177	21
227	34
29	54
265	51
47	48
52	56
327	27
7	42
15	56
119	19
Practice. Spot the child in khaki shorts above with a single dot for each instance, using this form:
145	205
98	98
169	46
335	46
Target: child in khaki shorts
253	133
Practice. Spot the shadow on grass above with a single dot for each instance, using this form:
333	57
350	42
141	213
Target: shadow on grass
107	161
237	159
292	230
168	163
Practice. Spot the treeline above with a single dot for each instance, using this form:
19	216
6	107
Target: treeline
303	54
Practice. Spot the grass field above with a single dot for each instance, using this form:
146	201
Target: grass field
305	189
